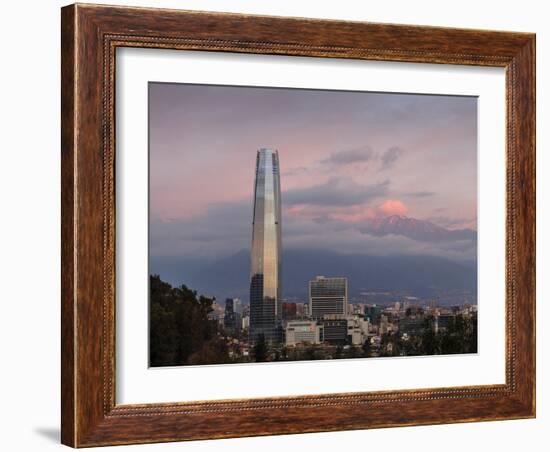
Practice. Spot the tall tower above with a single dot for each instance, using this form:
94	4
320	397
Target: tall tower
265	256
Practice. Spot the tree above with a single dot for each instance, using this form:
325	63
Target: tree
180	327
213	351
461	335
367	348
164	336
472	334
352	353
260	350
284	354
391	344
429	340
310	353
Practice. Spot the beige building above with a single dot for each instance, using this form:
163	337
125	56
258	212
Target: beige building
303	331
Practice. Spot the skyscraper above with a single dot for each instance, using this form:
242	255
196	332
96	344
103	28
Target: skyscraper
328	296
231	320
265	258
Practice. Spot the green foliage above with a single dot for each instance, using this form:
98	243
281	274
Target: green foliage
180	331
367	349
429	340
391	344
213	351
284	354
260	350
310	353
459	337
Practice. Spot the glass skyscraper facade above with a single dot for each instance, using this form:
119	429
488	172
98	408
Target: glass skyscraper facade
328	296
265	265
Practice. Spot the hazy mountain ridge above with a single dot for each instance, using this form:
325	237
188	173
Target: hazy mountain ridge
415	229
229	277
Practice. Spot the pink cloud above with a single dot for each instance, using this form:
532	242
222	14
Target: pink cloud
392	207
355	214
350	214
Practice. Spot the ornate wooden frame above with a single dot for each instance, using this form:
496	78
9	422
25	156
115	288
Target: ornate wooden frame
90	35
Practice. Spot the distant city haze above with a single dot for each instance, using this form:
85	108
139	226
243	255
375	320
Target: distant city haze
366	178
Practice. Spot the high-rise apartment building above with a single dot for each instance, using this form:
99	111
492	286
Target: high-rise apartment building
265	262
328	296
233	315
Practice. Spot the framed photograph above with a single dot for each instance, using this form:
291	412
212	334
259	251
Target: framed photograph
282	225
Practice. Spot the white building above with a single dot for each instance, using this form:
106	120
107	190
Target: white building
358	330
238	306
300	331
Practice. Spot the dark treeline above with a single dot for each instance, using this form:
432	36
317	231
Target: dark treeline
459	337
180	331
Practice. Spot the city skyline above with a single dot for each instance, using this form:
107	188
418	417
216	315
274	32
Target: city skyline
339	207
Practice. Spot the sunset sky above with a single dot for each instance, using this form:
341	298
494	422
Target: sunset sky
346	158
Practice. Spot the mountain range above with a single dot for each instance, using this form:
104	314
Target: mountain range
421	276
421	230
416	275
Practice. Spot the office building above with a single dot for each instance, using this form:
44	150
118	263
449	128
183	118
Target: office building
373	313
232	319
328	296
413	325
335	329
238	306
265	274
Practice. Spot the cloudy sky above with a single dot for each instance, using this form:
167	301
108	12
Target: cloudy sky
346	158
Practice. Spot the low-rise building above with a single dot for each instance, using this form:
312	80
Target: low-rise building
303	331
335	329
358	330
412	326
